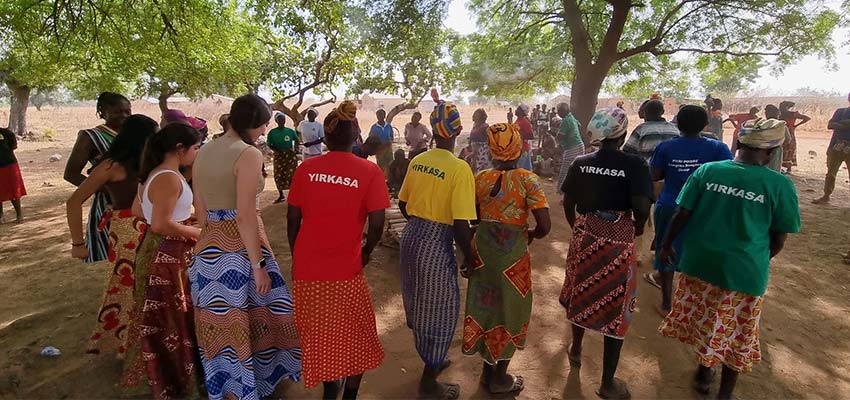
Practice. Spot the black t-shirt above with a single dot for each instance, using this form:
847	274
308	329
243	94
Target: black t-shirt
606	181
8	142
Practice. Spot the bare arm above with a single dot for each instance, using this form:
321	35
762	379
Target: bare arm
657	174
777	242
640	211
293	226
102	174
373	235
544	224
402	206
803	119
677	224
570	210
78	159
463	238
247	170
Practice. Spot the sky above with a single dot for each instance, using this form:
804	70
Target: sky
808	72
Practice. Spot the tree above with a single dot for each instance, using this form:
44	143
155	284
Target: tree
406	51
310	48
532	46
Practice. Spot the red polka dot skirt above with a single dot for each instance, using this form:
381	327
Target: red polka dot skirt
336	322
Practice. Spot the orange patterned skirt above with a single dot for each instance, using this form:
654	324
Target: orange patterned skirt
336	322
113	317
721	325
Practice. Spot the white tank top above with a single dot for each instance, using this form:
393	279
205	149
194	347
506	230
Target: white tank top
183	208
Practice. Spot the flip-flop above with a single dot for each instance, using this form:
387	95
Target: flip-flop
621	391
517	385
649	277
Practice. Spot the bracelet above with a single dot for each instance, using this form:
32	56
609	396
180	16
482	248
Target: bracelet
78	244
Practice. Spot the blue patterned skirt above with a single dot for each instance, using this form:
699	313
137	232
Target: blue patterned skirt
429	287
247	341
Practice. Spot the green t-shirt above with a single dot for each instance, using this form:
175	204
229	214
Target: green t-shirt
569	135
734	207
282	139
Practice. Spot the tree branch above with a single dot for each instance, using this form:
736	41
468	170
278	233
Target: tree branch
608	51
578	32
658	52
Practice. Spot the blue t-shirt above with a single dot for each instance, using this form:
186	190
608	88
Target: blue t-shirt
679	158
385	133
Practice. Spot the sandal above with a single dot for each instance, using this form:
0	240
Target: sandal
447	391
650	277
621	391
517	385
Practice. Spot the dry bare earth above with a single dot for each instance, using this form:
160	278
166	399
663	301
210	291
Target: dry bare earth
51	299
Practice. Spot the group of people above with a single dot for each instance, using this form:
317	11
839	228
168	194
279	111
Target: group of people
196	302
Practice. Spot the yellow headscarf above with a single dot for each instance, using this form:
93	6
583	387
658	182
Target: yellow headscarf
346	111
504	141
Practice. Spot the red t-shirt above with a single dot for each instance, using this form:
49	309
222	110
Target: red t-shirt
335	192
526	131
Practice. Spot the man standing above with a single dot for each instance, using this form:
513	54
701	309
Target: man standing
838	151
569	138
438	198
417	135
526	131
738	215
652	132
312	134
673	162
383	130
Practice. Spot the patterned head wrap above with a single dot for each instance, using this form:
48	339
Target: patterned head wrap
346	111
445	119
504	142
762	133
607	123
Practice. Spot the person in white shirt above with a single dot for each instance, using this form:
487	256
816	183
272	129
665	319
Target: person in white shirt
312	134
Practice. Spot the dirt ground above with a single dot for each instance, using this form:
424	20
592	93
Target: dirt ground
50	299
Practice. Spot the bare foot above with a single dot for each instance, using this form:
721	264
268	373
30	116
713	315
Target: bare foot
822	200
617	391
279	200
439	391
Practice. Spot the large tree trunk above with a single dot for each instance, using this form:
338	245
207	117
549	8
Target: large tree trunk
584	95
18	109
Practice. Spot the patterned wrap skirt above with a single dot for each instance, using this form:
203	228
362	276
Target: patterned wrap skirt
567	158
600	288
110	333
499	296
248	342
789	151
429	287
161	348
720	324
481	157
11	183
336	322
285	162
97	234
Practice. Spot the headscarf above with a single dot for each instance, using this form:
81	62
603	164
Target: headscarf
346	111
607	123
504	142
445	119
762	133
176	116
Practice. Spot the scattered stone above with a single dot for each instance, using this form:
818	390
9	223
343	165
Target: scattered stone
813	153
47	184
50	351
55	157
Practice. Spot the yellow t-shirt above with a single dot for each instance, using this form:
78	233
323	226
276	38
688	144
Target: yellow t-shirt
439	187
